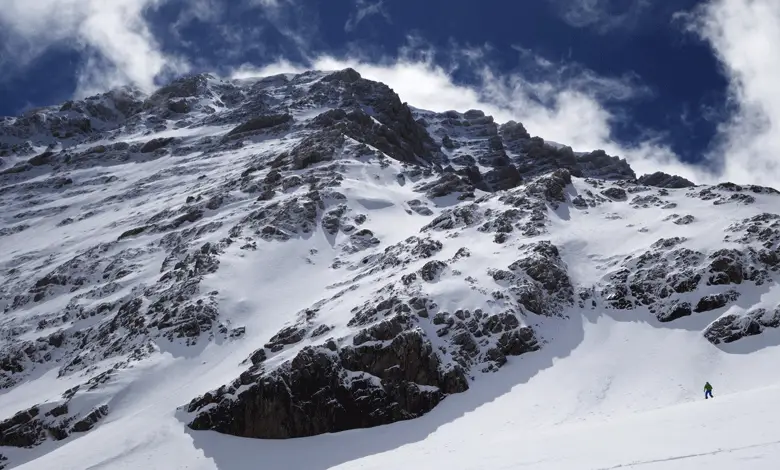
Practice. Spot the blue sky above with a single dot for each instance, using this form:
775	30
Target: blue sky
677	85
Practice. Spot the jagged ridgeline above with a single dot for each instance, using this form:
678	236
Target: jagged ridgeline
436	247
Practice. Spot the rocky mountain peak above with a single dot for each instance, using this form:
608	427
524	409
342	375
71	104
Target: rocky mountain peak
310	254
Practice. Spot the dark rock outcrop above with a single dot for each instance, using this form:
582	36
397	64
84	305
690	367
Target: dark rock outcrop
32	427
432	269
733	327
259	123
503	178
660	179
598	164
675	312
155	144
715	301
448	183
552	187
325	390
616	194
398	133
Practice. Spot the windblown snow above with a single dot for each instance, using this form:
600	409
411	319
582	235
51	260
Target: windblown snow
303	272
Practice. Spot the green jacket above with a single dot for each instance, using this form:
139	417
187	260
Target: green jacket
707	386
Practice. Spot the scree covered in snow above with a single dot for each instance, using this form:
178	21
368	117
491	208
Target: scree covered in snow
304	272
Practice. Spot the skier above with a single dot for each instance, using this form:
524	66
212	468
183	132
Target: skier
707	391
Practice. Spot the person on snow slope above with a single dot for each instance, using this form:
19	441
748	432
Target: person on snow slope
707	391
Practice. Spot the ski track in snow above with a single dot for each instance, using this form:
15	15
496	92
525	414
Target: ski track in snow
609	389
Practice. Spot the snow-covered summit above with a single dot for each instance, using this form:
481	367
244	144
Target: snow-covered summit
295	255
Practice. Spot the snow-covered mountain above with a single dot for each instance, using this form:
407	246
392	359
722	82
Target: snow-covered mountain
297	255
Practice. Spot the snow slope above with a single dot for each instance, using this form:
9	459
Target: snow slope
627	396
139	294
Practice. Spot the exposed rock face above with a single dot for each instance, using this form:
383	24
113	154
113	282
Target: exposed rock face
33	426
551	187
449	183
511	153
733	327
503	177
662	278
398	134
352	387
546	288
259	123
389	372
432	269
463	216
663	180
715	301
598	164
155	144
615	194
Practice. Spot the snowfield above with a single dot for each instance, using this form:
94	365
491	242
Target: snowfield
187	285
628	395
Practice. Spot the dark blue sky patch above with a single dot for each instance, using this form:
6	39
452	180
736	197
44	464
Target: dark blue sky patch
679	93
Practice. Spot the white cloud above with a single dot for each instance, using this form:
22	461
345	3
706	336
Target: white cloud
601	15
266	3
294	20
115	39
201	10
744	34
205	11
559	75
364	9
119	45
